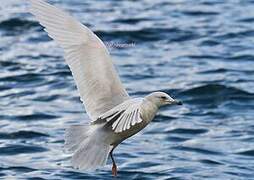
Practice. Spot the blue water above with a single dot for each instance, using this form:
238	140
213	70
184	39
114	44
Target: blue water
201	52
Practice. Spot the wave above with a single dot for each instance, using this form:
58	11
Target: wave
149	34
210	162
21	149
16	24
215	94
242	57
27	77
132	21
240	34
247	153
198	57
197	150
210	42
199	13
37	116
215	90
177	139
225	70
246	20
187	131
19	169
22	135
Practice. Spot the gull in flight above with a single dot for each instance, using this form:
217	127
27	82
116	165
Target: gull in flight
115	116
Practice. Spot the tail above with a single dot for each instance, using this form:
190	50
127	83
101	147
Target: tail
90	152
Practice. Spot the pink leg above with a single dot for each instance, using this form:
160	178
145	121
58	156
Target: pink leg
114	167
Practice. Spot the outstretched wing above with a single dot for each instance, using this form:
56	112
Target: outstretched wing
123	116
97	81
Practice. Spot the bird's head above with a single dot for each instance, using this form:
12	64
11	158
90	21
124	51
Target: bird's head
161	99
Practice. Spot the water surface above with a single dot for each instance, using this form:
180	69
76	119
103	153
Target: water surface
198	51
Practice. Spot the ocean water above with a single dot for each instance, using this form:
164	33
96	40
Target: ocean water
201	52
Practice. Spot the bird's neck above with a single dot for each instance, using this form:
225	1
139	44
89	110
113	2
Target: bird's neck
149	110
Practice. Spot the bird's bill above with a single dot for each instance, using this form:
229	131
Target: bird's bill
175	102
178	102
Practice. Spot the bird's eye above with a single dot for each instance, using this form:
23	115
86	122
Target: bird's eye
163	97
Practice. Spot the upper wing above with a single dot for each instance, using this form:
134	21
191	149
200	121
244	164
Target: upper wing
97	81
124	115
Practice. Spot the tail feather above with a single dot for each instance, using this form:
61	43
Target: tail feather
74	135
90	152
89	158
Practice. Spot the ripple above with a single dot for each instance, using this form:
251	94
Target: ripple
210	162
149	34
74	175
225	70
21	149
215	88
247	20
137	76
18	94
3	88
219	70
22	135
200	13
36	178
216	93
132	21
23	78
5	64
163	118
16	24
242	57
240	34
177	139
47	98
19	169
198	57
187	131
37	116
247	153
210	42
197	150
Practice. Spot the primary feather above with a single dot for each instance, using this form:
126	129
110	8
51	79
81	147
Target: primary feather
97	81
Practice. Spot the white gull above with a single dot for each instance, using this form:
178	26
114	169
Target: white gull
114	115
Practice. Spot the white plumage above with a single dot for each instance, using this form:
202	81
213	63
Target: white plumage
129	115
114	115
92	68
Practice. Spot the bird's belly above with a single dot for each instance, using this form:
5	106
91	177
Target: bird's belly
117	138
